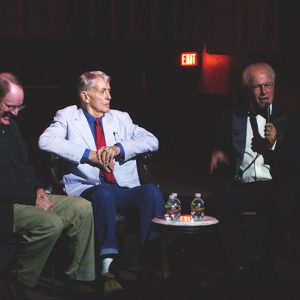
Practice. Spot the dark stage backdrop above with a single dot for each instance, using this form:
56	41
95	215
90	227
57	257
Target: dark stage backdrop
228	26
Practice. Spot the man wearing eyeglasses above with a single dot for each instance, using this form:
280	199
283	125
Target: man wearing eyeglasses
7	243
259	145
39	219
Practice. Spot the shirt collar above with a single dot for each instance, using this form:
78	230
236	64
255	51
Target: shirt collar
262	112
91	119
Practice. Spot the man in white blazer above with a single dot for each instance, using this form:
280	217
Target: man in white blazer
73	136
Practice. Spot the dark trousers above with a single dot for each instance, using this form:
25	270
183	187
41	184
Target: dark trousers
145	200
273	204
7	250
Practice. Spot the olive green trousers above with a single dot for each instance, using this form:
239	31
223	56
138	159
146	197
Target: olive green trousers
38	231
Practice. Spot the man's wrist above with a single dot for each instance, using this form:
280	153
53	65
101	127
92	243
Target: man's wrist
93	156
117	150
121	153
85	156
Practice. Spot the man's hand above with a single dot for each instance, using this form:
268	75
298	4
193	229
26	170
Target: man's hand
270	134
259	144
105	157
217	157
43	201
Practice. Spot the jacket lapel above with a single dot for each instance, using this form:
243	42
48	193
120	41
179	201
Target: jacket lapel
239	128
19	140
109	129
279	120
83	127
5	147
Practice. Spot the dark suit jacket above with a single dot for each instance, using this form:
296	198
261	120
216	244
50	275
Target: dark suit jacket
17	181
284	160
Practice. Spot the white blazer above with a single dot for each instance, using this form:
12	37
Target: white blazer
70	135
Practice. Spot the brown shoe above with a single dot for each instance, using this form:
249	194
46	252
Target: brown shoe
110	284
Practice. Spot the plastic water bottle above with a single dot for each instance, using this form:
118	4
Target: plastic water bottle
176	197
197	208
172	208
178	203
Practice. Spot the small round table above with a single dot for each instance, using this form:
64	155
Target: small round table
184	226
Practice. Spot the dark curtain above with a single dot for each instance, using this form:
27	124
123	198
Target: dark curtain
243	27
228	26
105	19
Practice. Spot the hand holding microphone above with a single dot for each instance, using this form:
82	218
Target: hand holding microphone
260	144
270	129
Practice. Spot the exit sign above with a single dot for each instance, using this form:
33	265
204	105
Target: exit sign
189	59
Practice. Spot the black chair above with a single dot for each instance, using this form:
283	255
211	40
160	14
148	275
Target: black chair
54	178
126	230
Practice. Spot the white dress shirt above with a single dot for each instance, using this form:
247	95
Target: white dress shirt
258	171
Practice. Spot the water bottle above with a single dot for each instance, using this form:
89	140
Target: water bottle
197	208
178	203
172	208
176	197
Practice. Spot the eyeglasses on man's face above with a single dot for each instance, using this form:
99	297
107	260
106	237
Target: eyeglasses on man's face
12	107
267	85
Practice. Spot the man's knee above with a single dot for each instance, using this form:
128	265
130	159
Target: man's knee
81	207
153	194
102	197
152	189
51	225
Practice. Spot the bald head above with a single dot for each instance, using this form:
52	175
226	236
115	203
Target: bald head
10	77
11	100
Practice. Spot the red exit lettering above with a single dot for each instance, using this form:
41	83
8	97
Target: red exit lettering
189	59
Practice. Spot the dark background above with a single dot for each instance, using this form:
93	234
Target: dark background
48	44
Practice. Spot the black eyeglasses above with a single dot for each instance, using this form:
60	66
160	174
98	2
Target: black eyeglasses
267	85
12	107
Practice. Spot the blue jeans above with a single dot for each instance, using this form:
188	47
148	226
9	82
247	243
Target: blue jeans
108	199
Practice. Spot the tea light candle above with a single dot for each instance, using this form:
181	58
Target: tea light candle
185	218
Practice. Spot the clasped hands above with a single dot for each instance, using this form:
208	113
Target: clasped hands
104	157
259	144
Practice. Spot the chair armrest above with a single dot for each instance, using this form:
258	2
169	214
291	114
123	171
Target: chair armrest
142	161
53	165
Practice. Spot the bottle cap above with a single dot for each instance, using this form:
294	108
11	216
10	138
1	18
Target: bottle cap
198	195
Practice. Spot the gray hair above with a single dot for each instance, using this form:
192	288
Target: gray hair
4	88
87	80
247	76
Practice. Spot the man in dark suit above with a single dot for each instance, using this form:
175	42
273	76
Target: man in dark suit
39	218
259	143
7	243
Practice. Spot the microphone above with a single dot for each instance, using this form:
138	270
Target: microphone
268	111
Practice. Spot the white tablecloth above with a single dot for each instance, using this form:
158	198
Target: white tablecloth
207	220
